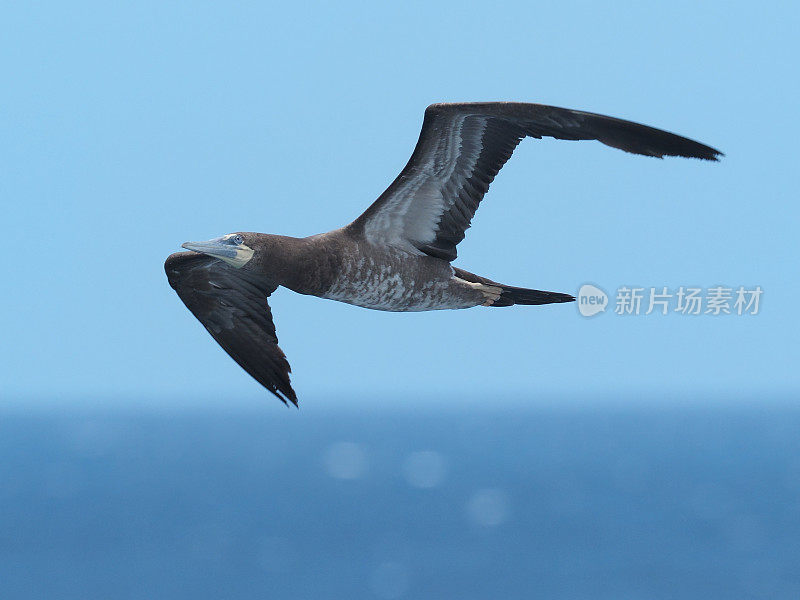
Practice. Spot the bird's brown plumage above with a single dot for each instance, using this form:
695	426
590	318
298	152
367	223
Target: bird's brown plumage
461	149
396	255
232	305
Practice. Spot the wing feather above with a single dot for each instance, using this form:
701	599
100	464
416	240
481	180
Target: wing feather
462	147
232	305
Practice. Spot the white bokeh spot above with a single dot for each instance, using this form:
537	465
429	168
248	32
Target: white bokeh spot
488	507
424	469
345	460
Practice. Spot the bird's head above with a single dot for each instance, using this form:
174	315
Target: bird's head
232	248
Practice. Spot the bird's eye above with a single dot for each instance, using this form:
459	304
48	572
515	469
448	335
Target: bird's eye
237	239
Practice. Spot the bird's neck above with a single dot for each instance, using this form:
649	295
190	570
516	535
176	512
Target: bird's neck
295	263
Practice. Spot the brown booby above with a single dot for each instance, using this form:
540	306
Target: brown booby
396	256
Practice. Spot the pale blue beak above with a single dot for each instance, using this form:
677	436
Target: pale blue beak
218	247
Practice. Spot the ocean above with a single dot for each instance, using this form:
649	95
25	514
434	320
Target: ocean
606	502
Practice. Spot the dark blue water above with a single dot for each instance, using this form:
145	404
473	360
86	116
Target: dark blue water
600	503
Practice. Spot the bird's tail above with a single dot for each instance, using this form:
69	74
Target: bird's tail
510	295
516	295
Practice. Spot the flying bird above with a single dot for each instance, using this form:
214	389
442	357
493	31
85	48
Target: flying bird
396	256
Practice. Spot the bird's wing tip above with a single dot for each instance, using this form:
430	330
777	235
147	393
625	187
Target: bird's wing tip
289	398
711	154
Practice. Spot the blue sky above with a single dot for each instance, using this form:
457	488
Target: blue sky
129	128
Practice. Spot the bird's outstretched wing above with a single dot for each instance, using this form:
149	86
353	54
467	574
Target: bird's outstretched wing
232	305
463	146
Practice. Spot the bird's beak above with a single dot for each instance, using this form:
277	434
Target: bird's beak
218	247
236	255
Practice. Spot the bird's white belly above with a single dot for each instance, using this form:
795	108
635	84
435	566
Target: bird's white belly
384	287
